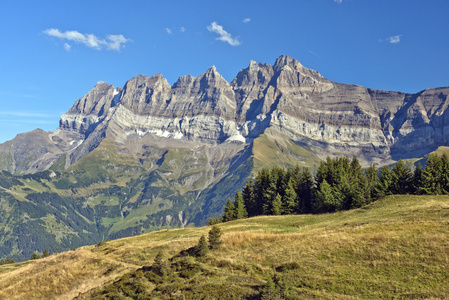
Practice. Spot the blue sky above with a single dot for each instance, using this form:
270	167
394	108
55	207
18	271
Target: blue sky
54	52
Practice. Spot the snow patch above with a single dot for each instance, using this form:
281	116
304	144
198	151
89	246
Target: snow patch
77	143
116	96
236	138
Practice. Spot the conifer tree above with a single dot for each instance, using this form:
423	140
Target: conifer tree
214	237
263	190
240	209
370	182
289	200
401	178
276	207
325	171
325	200
431	176
249	198
35	255
383	184
269	193
418	180
444	179
202	248
229	211
45	253
305	192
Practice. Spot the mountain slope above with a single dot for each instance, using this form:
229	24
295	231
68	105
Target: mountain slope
394	247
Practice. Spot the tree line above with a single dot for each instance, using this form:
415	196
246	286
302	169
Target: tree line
339	184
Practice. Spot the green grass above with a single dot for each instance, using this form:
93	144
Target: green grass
270	151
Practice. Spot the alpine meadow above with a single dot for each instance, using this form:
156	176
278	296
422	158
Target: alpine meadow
224	150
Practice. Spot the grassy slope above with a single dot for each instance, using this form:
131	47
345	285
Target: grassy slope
396	247
279	150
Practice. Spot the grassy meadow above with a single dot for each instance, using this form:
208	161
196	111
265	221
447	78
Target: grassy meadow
394	248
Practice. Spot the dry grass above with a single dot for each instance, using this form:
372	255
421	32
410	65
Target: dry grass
60	276
395	248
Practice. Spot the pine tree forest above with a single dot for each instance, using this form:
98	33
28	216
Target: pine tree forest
339	184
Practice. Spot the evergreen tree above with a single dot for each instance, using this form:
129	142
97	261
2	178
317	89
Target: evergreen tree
370	180
276	207
9	260
214	237
444	178
305	192
383	184
289	200
35	255
277	177
202	248
270	193
325	200
229	213
401	178
352	185
45	253
213	221
325	171
249	198
418	180
240	209
264	190
2	261
431	176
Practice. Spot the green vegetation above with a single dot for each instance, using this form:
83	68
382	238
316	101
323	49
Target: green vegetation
109	194
339	184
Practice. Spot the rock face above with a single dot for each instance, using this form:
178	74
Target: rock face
327	117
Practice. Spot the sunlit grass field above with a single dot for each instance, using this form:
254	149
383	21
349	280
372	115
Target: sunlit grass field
397	247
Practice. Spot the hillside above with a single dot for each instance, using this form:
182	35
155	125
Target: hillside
150	155
393	248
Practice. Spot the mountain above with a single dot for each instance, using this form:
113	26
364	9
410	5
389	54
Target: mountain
328	117
152	155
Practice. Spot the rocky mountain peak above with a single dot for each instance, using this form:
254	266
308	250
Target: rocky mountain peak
287	61
255	73
211	78
93	100
183	81
289	64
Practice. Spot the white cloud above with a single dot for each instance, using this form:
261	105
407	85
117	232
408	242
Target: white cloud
223	34
111	42
168	30
394	39
183	29
67	47
247	20
338	1
116	41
